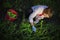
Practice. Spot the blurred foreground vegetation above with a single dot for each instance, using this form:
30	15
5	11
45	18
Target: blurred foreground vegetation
45	31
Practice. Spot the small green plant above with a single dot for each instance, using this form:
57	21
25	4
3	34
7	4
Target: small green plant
25	26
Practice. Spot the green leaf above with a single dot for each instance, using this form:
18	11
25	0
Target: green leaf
11	14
